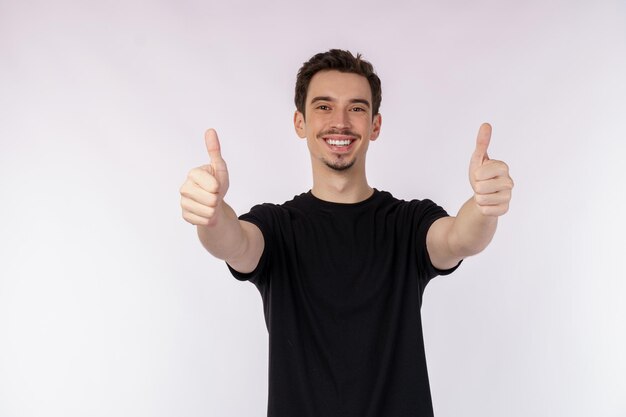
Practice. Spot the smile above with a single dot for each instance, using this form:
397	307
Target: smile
339	146
339	142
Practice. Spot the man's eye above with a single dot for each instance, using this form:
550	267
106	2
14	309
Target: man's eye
357	109
323	107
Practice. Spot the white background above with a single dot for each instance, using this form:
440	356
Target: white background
109	306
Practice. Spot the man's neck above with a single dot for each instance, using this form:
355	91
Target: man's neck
341	189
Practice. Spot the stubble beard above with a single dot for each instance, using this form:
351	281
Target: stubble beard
339	165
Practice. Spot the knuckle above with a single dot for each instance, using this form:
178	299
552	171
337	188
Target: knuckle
504	169
185	192
186	205
188	218
479	200
480	188
212	200
193	174
190	191
196	175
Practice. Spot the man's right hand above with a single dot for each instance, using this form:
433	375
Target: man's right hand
203	192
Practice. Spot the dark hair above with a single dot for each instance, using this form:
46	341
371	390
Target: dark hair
343	61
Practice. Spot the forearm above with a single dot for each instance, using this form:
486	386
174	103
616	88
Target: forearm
224	238
471	230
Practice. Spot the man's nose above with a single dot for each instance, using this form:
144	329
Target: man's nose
341	119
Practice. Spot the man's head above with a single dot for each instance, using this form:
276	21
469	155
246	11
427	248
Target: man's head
342	61
340	95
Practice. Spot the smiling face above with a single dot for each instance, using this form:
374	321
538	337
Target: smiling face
339	122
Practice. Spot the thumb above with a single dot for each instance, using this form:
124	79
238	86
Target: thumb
482	143
217	166
213	145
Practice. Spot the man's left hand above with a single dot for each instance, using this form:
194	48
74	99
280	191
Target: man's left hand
489	178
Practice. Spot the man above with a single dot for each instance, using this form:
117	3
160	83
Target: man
342	268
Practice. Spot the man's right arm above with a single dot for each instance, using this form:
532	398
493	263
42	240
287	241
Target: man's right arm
239	243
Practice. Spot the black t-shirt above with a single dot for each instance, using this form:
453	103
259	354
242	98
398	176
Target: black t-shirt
342	288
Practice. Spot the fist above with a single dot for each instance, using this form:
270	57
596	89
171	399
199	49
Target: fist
489	178
204	189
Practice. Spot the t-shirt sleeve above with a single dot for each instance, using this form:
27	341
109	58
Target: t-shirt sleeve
426	214
260	216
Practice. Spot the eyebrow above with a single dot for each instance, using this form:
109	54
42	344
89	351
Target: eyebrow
354	100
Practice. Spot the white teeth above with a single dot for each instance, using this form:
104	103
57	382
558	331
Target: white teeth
334	142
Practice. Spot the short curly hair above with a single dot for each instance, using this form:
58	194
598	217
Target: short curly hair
340	60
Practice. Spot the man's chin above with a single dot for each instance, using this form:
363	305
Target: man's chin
340	166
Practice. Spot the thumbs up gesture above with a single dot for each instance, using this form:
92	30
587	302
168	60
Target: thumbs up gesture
203	192
489	178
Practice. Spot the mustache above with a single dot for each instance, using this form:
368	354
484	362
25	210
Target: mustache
346	132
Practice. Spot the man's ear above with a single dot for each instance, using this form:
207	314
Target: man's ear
376	123
299	124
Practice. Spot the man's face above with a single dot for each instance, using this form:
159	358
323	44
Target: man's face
338	124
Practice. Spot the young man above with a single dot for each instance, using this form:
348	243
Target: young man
342	268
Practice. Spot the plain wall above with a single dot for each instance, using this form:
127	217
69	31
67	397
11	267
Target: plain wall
109	306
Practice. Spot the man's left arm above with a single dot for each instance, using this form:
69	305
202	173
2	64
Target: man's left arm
451	239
